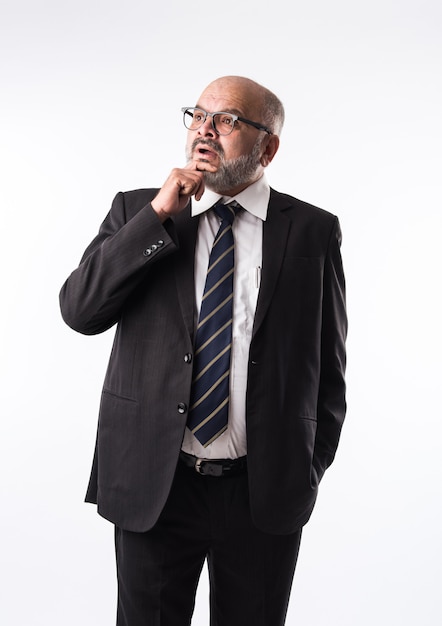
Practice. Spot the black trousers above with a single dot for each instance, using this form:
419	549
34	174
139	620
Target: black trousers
250	572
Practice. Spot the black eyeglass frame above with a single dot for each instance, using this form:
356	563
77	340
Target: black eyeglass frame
236	118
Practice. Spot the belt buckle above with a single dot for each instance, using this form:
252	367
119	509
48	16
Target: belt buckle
198	466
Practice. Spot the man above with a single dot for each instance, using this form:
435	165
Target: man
186	476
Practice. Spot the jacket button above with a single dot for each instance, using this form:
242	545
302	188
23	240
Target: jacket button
182	408
188	358
147	252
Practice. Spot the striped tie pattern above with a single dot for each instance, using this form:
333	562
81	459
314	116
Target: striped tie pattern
209	405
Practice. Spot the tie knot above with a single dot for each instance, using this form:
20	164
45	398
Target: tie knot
227	212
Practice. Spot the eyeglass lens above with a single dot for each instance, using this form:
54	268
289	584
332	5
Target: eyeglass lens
223	123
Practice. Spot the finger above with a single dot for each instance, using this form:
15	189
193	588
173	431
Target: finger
200	165
195	184
200	191
190	185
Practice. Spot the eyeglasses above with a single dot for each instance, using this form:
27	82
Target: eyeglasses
222	123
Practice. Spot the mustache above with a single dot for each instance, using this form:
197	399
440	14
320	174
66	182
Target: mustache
210	144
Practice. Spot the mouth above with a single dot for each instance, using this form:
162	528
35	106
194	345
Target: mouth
204	152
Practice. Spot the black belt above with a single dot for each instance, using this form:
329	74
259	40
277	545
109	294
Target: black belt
215	467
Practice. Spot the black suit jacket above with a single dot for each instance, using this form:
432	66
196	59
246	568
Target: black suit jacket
138	273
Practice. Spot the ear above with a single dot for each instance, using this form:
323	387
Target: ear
270	148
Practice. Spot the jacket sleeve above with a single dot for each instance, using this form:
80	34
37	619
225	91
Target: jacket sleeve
130	241
331	400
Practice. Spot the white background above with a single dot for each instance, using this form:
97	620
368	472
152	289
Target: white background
90	99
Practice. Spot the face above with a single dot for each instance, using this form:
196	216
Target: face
240	157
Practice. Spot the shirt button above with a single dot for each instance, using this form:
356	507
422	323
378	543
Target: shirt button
182	407
187	358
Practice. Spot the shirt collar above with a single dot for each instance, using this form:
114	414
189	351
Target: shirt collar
254	199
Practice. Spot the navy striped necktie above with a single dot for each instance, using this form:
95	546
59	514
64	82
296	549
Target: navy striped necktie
209	405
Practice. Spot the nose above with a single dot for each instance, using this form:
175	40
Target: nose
207	130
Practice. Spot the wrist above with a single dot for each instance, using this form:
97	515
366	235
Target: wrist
162	215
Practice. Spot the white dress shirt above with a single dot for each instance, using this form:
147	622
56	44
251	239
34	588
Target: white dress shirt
247	232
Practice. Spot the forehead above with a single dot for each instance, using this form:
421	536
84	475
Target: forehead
228	96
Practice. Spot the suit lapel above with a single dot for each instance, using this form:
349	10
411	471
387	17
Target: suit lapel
186	228
276	229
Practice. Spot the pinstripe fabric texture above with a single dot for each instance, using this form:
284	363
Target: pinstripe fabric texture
209	405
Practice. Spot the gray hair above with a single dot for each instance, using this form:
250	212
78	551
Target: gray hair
273	112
